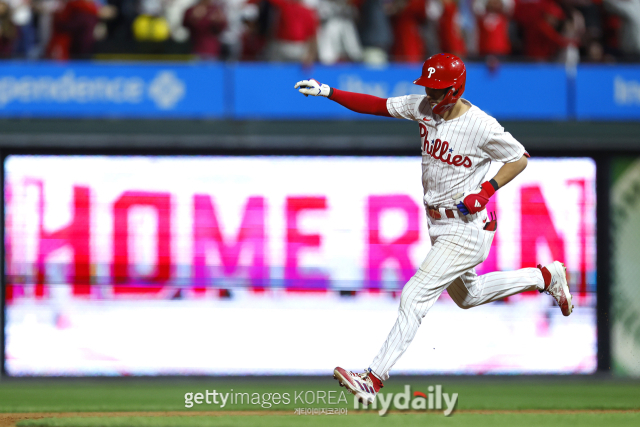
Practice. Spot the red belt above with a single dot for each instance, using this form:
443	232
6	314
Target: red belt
435	213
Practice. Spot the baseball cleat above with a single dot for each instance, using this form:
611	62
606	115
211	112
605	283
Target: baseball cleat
558	287
362	386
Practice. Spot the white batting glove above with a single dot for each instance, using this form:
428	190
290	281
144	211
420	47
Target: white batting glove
312	87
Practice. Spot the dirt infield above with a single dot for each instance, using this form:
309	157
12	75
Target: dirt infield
10	419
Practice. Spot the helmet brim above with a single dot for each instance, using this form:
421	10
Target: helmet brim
433	83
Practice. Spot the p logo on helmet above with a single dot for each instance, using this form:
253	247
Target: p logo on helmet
452	75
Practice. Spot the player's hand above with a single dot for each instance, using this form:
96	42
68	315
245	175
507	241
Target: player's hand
472	202
312	87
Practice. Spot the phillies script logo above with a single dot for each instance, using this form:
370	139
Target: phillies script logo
440	150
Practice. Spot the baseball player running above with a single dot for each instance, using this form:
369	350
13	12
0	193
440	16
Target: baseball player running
458	142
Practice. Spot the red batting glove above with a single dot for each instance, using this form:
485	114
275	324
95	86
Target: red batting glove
472	202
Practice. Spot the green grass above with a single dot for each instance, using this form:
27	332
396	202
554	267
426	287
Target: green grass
501	393
407	420
482	393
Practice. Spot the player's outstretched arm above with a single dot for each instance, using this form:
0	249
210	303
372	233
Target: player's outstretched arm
358	102
472	202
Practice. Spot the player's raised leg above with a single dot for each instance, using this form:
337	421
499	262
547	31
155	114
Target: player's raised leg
470	290
555	284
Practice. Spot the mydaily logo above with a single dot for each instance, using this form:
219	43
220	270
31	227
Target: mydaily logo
432	400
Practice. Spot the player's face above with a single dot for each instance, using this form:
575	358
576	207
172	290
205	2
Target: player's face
435	95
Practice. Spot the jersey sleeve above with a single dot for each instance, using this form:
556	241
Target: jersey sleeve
405	107
502	147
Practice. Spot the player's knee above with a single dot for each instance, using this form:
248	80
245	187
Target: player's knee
463	303
408	305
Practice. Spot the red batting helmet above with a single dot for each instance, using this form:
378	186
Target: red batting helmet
441	71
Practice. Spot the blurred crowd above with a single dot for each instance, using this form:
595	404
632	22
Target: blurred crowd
328	31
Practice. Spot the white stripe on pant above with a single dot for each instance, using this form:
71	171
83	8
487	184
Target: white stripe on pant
458	245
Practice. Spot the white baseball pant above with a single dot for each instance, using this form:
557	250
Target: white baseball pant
458	245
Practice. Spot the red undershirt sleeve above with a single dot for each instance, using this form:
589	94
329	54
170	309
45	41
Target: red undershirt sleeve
360	103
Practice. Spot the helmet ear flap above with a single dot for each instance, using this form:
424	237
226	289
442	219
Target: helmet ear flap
461	88
451	97
448	101
457	91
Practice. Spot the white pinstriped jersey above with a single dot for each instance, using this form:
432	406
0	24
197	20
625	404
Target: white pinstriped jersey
456	154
